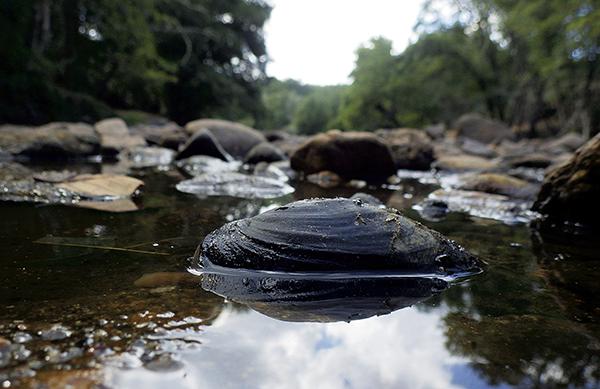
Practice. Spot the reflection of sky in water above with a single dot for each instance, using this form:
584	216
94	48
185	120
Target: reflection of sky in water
247	349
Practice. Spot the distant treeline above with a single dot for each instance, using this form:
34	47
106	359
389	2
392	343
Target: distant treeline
532	64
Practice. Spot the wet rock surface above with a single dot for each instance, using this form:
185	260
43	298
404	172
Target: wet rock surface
463	163
333	234
235	138
411	148
143	157
168	135
482	205
571	191
351	155
234	184
203	142
115	136
112	193
264	152
501	184
50	141
201	164
481	129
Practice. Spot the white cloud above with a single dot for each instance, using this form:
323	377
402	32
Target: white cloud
401	350
315	40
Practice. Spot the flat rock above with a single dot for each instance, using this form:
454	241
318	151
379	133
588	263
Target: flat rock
102	185
143	157
463	163
203	164
502	184
234	184
51	141
484	205
96	191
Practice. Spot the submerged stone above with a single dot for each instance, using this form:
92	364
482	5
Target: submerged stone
483	205
235	185
333	235
202	164
143	157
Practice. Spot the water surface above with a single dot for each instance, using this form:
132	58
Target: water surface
137	318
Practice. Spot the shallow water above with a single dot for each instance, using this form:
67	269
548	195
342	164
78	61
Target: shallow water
130	314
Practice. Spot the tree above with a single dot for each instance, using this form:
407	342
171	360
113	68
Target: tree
318	111
71	59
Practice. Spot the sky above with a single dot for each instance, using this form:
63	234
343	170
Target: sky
314	41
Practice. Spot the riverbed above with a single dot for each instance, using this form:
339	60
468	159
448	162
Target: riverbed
94	298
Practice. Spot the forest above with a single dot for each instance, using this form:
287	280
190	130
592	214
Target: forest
533	65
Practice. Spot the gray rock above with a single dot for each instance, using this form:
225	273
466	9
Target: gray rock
264	152
235	184
235	138
203	142
202	164
51	141
411	149
479	128
115	136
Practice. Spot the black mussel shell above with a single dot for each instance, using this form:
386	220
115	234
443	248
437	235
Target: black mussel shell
334	235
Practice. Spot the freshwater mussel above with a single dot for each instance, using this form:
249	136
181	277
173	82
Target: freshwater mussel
330	260
334	235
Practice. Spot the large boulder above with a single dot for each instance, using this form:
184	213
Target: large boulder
168	135
411	149
571	191
235	138
481	129
53	140
352	155
203	142
115	136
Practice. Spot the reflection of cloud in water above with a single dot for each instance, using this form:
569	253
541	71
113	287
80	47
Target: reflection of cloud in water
404	349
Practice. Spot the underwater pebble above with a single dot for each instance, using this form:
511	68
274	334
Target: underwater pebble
57	332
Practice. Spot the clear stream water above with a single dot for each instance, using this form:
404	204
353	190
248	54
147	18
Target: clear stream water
72	314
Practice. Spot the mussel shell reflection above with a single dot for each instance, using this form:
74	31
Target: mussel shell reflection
321	299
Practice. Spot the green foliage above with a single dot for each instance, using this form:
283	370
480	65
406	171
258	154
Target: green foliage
281	100
184	58
318	111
